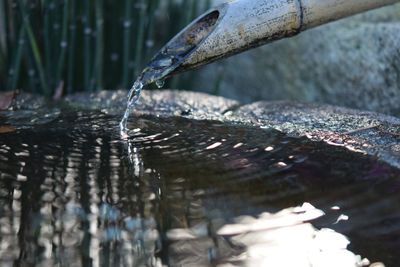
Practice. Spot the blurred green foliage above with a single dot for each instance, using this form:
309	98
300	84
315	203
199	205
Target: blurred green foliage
85	45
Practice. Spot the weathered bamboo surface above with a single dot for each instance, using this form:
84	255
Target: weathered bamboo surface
245	24
318	12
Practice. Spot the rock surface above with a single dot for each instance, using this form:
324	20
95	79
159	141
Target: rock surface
354	62
26	110
158	102
365	132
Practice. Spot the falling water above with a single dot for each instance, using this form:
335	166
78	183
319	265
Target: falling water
168	60
133	97
154	73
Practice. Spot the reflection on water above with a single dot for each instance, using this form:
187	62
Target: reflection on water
189	193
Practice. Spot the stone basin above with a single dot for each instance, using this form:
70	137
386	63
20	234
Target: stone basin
365	132
202	181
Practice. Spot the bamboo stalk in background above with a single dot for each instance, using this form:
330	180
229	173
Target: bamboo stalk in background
98	66
3	42
12	28
15	34
46	38
87	32
34	47
30	69
149	41
56	15
44	42
63	43
127	25
71	47
3	37
14	69
141	24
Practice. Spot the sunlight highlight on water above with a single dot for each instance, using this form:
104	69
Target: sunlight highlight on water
160	84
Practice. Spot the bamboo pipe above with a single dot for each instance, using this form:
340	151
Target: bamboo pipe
318	12
240	25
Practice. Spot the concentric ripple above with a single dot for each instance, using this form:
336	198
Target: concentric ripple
187	193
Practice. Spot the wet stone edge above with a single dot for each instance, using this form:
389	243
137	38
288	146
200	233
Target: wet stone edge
363	132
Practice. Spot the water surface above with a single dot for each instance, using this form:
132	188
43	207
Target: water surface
188	193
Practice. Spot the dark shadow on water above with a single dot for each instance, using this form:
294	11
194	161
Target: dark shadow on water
72	193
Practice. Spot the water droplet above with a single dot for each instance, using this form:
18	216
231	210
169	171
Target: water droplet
160	84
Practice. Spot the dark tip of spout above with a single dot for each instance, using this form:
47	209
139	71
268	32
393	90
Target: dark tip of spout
193	35
180	47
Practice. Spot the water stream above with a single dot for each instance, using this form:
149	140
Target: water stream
133	97
168	59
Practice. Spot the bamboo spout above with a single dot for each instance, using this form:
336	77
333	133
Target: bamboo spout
318	12
244	24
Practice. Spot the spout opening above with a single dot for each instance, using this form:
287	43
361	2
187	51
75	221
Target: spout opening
193	34
180	47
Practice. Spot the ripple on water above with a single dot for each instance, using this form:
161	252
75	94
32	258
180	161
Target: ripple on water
192	193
